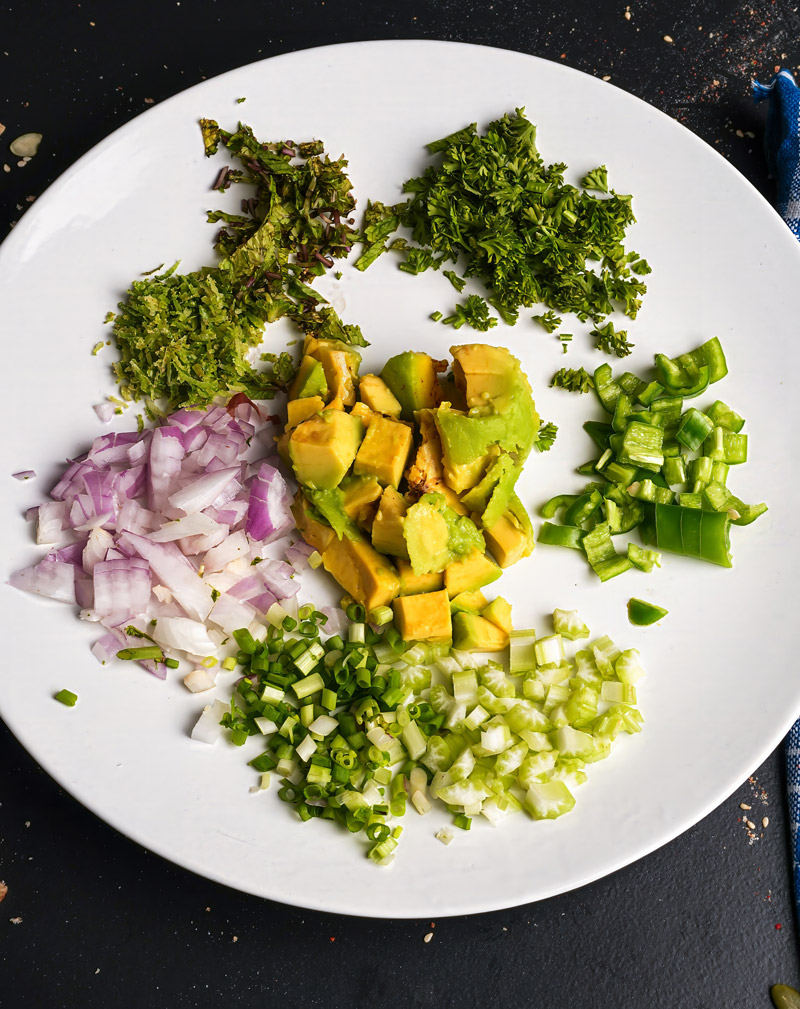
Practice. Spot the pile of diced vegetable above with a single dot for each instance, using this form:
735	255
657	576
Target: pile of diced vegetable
662	467
357	724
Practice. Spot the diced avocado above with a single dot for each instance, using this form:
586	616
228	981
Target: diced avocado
499	612
511	537
363	412
367	575
472	633
477	498
323	448
309	380
378	396
424	617
314	532
387	528
501	414
340	363
411	376
282	445
470	573
468	602
384	450
330	505
359	494
411	584
426	474
298	410
435	535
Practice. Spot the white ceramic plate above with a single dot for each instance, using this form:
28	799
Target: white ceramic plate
722	686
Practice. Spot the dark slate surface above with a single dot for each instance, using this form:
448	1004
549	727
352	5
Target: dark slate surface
90	919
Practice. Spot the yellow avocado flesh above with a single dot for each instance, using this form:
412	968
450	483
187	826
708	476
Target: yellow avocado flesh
482	372
363	412
411	376
387	528
298	410
411	584
323	448
423	617
470	602
358	493
309	381
361	571
384	450
378	396
316	534
507	540
470	573
499	612
427	538
472	633
340	364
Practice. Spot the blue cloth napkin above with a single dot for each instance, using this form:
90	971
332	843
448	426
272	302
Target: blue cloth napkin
782	142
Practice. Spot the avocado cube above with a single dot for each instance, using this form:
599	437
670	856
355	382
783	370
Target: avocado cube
470	573
472	633
499	612
411	584
363	412
361	571
483	372
358	494
323	448
468	602
340	363
309	380
384	450
411	376
423	617
316	534
377	395
510	538
387	527
298	410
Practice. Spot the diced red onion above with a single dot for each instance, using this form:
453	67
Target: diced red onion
268	514
235	546
278	578
173	570
183	634
230	614
24	474
50	578
97	546
204	491
121	588
166	453
50	524
105	411
192	525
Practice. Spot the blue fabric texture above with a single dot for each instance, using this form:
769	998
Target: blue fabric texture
782	143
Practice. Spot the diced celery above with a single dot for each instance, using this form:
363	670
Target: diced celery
558	716
535	767
572	742
537	741
581	707
495	679
526	715
437	756
631	717
463	765
586	667
628	666
510	760
570	771
465	686
549	650
521	653
414	740
533	688
554	674
464	793
568	624
548	800
557	693
496	738
618	693
476	717
606	654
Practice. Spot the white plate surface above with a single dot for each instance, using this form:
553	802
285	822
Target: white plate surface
722	686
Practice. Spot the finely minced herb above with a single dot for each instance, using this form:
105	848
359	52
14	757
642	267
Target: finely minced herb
573	380
492	205
546	437
188	338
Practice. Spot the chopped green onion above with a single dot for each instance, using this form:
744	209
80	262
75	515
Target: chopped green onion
66	697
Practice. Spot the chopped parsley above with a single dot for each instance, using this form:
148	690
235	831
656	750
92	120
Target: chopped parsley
612	341
186	338
573	380
492	206
549	321
545	437
474	312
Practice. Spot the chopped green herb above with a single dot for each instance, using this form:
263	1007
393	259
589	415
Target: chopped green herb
184	338
474	312
97	348
573	380
596	179
549	321
240	100
66	697
436	316
458	282
546	437
612	341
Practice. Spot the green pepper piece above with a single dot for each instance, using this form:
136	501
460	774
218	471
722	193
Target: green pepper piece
643	613
690	532
549	508
561	536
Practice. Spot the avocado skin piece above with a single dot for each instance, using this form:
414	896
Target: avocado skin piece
309	381
412	378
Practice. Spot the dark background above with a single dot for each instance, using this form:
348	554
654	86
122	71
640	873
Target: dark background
90	919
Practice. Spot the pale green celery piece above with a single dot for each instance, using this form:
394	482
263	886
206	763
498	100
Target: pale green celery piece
628	666
608	726
586	667
446	664
521	653
572	742
415	678
558	716
463	765
631	717
495	738
618	693
533	689
494	705
535	767
557	693
554	674
537	741
499	806
568	624
437	757
464	793
440	699
581	707
510	760
465	686
465	659
494	679
548	800
549	650
415	742
455	717
605	654
476	717
526	714
600	752
416	656
570	771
